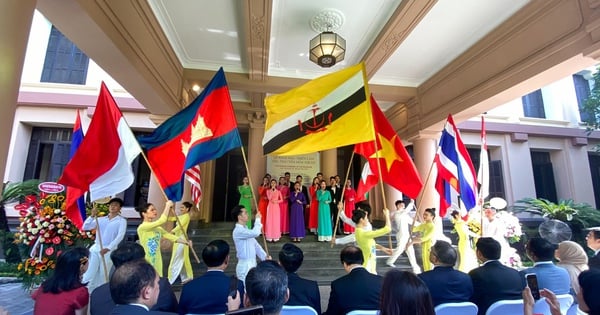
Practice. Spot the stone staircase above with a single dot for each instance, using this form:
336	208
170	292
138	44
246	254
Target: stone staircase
321	261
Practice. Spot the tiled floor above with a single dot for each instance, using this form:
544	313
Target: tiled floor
15	300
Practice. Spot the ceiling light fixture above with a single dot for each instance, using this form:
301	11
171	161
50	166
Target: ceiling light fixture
327	48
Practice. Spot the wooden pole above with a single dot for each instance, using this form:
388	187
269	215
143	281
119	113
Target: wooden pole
254	198
99	236
381	186
172	210
337	220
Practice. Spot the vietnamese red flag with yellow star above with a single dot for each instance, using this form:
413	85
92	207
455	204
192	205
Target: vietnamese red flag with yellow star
397	167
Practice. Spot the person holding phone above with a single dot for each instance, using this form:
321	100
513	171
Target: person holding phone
529	300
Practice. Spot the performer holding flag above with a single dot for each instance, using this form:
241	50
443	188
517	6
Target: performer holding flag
102	166
204	130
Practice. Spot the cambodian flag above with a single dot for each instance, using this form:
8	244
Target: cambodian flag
102	164
204	130
75	208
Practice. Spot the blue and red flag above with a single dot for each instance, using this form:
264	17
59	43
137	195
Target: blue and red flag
204	130
75	200
455	167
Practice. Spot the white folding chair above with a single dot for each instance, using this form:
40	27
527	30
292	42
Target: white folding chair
541	307
363	312
457	308
298	310
505	307
574	310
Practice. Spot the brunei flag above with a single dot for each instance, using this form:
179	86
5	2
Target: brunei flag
325	113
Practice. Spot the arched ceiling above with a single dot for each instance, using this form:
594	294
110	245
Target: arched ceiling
424	58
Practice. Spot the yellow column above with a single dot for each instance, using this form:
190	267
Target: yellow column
15	23
207	173
256	159
391	195
424	150
328	165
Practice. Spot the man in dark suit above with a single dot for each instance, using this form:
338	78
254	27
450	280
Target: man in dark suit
134	287
302	291
336	194
446	284
493	281
208	293
358	290
549	276
593	242
267	285
101	301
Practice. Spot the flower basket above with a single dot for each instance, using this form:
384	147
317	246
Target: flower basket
44	232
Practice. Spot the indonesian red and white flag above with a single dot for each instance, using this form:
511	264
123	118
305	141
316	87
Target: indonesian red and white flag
102	164
367	180
193	176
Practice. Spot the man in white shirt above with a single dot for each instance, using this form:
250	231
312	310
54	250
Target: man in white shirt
494	228
111	230
246	246
402	221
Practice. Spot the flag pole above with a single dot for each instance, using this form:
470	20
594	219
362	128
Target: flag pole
163	192
253	197
381	180
172	210
418	212
99	236
337	220
483	140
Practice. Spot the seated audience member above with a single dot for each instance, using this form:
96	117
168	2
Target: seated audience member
358	290
63	292
549	276
102	303
444	282
589	294
593	242
302	291
134	288
208	294
573	258
266	285
493	281
403	293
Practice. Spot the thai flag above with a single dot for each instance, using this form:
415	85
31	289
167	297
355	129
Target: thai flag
455	166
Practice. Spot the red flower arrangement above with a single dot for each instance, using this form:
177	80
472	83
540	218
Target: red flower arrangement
45	230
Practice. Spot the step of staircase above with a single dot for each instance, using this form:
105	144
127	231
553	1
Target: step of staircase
321	260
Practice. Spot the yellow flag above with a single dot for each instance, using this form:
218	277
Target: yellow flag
328	112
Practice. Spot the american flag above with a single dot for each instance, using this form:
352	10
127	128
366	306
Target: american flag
193	176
